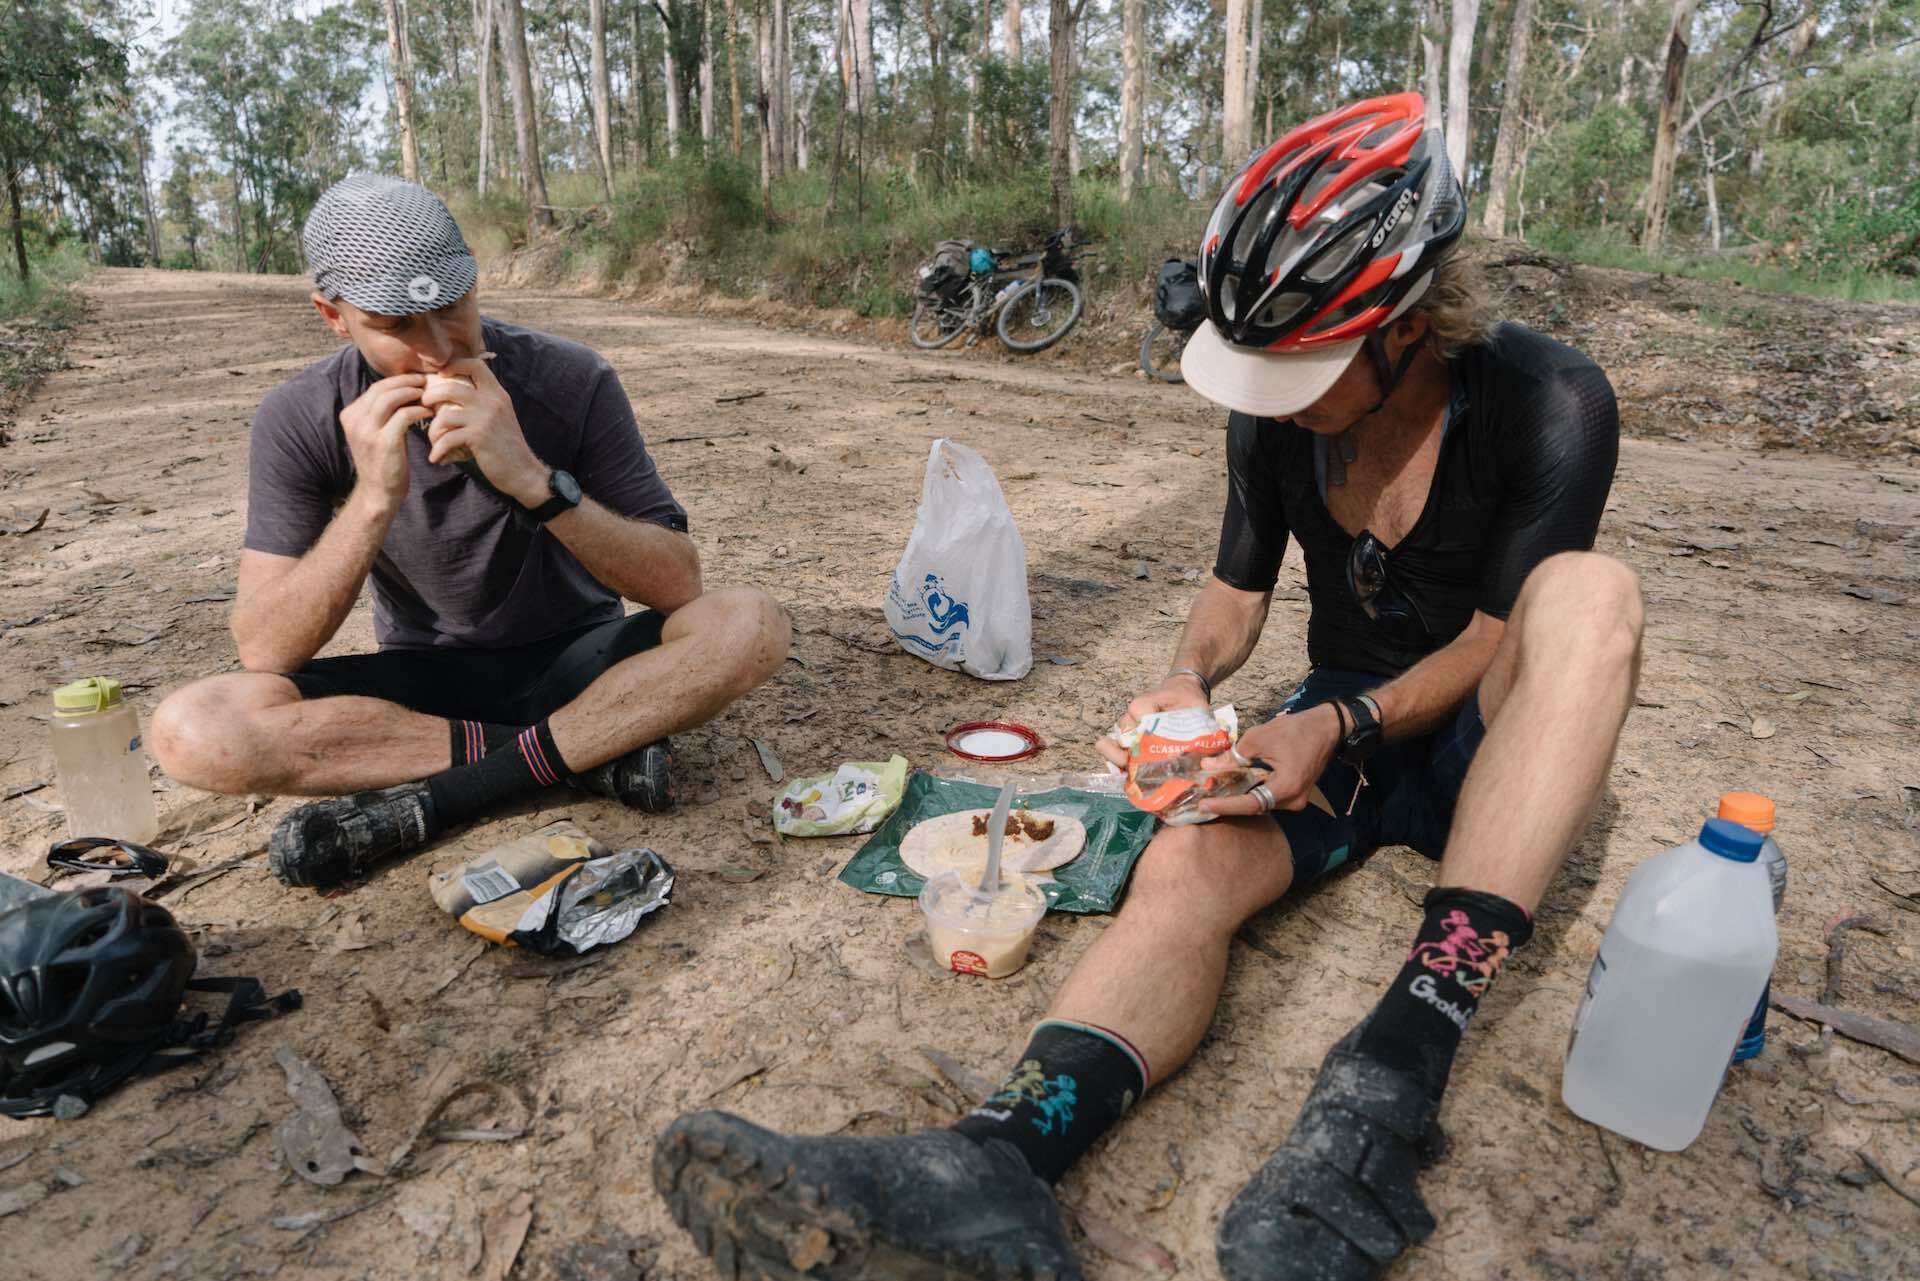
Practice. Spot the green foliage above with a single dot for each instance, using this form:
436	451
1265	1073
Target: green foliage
1589	172
46	295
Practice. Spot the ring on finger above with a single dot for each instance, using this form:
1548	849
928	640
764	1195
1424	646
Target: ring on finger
1263	796
1234	751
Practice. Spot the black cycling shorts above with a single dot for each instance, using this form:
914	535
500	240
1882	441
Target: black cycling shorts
516	686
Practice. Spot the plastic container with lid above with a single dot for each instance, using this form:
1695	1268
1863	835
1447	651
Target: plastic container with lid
1687	953
990	939
102	772
1754	811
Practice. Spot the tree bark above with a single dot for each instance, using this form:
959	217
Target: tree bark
733	79
1506	144
526	117
789	122
1234	125
641	86
483	27
1062	18
1466	13
708	123
673	80
1665	141
840	123
400	55
602	92
1010	19
1255	22
976	119
936	134
146	187
1133	95
868	86
773	147
1432	27
17	221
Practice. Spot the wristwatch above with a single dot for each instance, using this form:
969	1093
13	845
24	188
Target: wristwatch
565	491
1361	717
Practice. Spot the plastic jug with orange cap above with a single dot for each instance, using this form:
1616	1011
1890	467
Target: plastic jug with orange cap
1755	812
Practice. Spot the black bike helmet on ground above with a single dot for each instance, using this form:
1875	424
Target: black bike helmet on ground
90	983
1325	238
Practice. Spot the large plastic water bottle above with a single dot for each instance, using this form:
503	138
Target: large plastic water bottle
97	758
1687	953
1754	811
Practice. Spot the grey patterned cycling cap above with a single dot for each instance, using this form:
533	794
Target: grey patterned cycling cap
388	247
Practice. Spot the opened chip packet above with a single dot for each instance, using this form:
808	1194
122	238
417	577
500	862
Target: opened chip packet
1164	752
556	891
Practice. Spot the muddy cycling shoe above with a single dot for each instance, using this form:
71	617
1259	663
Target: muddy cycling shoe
335	840
1337	1201
641	780
921	1207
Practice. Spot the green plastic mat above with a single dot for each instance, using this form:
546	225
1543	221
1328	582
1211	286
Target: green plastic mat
1116	835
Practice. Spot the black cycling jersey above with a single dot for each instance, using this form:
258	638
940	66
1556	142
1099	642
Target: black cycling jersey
1525	464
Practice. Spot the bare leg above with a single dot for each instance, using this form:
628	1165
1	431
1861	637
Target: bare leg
1554	699
252	732
1156	974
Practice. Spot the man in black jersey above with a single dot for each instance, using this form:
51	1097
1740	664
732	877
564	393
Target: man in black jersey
1444	477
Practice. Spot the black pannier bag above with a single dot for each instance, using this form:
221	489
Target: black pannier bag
1177	300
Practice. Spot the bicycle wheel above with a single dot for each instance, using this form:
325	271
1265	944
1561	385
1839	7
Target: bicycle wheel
1160	352
935	324
1039	315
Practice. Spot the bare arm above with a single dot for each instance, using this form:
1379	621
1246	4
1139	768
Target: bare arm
1421	698
1223	625
648	564
287	607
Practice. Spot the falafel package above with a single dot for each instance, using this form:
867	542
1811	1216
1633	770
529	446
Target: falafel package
556	891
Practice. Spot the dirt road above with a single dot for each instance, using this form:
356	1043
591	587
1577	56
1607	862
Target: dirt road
1780	656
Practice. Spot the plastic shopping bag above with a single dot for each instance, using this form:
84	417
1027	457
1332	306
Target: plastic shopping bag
959	595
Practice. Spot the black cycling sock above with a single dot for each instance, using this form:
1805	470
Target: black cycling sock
467	791
1417	1025
1073	1083
472	740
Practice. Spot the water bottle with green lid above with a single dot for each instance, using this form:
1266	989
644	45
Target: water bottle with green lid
102	772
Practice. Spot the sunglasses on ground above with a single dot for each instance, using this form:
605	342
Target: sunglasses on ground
105	854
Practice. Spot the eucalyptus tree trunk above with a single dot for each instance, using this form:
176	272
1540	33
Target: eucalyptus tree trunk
526	117
1062	18
976	119
1010	20
783	83
146	189
401	57
1506	144
483	26
868	86
640	85
673	80
1133	95
1459	65
602	92
1432	27
1235	125
773	144
707	122
1253	60
1665	138
733	80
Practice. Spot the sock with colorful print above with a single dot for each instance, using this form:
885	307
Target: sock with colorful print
467	791
1074	1081
472	740
1459	950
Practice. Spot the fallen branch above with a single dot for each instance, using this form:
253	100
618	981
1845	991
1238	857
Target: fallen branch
734	400
1837	951
1887	1176
1888	1034
703	435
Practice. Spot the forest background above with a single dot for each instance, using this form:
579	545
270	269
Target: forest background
813	150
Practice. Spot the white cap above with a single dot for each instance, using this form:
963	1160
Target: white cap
1265	384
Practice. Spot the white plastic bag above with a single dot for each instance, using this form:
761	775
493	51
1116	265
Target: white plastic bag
959	595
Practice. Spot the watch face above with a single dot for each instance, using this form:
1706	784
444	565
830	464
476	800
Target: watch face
565	486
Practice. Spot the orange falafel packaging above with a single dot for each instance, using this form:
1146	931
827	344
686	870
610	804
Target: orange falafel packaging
1164	755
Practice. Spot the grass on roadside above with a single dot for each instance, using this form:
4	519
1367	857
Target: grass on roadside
1853	286
35	317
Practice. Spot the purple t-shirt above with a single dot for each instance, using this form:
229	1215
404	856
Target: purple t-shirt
461	565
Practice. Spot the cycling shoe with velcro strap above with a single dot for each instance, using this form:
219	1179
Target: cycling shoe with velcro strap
933	1206
1337	1202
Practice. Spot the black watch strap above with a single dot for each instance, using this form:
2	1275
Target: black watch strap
1363	729
564	494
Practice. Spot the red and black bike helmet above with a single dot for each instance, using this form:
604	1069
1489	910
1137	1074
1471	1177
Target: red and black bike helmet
1327	236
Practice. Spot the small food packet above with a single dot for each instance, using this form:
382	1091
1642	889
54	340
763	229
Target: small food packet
556	891
856	798
1164	752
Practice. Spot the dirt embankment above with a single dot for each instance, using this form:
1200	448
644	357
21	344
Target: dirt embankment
1780	655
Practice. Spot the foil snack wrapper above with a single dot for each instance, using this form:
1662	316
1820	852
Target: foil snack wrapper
556	891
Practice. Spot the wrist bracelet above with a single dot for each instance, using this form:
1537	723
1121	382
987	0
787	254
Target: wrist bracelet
1206	686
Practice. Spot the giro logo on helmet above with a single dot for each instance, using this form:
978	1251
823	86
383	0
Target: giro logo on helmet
1393	216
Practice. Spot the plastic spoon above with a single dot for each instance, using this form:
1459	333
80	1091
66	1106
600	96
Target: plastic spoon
989	887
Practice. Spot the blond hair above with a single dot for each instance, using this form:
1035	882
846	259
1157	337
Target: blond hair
1458	306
